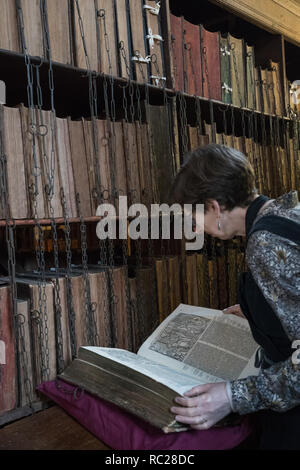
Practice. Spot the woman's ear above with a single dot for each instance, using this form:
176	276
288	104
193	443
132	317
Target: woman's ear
213	205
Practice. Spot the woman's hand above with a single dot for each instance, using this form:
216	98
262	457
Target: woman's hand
203	406
234	310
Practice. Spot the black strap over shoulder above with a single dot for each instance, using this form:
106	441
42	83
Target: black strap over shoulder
281	226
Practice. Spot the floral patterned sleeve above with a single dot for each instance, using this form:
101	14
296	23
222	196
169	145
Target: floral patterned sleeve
275	265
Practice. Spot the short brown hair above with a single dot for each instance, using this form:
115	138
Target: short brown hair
214	172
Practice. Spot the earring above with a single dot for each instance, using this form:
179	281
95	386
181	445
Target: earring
219	225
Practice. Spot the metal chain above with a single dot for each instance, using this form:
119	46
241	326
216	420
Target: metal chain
71	311
89	306
35	131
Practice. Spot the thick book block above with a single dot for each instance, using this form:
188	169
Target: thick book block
225	65
80	166
277	88
133	313
144	162
250	75
210	54
155	48
12	144
47	149
8	384
42	326
174	280
192	59
120	161
99	291
162	157
9	38
86	50
147	312
202	279
132	164
33	29
138	40
161	269
213	283
65	165
120	314
222	280
177	51
238	71
59	22
191	279
124	48
107	37
27	391
37	201
231	272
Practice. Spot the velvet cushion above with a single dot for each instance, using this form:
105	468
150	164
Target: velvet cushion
121	430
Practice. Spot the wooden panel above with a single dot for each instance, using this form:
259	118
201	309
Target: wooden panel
7	353
279	16
9	38
51	429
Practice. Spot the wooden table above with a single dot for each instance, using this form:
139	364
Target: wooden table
50	429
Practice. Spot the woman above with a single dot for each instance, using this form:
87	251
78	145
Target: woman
222	179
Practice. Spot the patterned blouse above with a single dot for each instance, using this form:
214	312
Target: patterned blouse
275	265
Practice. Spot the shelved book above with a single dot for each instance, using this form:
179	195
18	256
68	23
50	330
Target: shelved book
192	346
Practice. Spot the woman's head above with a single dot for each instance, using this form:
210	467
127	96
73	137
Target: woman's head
223	180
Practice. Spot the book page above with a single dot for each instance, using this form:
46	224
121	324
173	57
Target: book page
203	343
176	381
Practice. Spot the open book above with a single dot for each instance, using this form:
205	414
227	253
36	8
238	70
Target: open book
192	346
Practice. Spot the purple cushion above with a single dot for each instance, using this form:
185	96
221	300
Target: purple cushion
123	431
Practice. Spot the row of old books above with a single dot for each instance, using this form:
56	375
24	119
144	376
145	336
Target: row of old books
222	67
95	159
107	306
120	38
57	315
276	165
110	306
